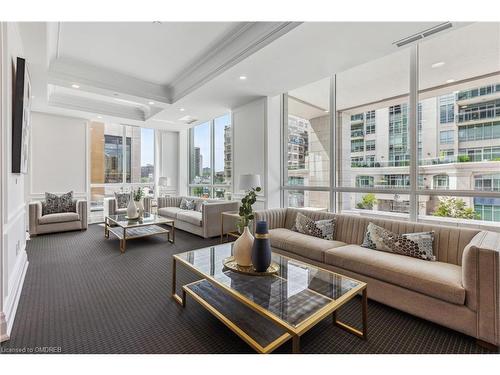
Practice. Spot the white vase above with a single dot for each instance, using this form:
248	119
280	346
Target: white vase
242	249
132	211
140	207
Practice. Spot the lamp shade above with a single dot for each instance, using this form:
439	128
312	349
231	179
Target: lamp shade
164	181
249	181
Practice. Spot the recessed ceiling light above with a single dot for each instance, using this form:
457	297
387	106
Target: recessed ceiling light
327	111
99	116
182	109
450	80
151	103
32	96
438	64
243	78
75	86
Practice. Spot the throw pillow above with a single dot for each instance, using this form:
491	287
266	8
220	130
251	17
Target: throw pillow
66	203
51	204
122	199
187	204
199	206
55	204
322	228
416	245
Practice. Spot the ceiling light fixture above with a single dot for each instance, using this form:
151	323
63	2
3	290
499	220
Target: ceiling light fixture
438	64
99	116
181	109
75	86
242	78
151	103
327	111
450	80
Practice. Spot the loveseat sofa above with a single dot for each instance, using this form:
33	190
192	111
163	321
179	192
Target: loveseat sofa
204	220
460	290
57	222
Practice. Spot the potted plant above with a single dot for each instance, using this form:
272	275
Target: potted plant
246	210
138	196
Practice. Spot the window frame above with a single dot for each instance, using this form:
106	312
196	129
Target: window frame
211	186
414	190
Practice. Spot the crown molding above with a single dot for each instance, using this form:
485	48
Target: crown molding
248	39
64	72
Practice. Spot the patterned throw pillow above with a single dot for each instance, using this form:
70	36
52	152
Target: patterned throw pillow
416	245
187	204
199	206
122	199
55	204
66	203
322	228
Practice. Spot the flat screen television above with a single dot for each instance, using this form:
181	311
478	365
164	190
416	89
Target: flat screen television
21	117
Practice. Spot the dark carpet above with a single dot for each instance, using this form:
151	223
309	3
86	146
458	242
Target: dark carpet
81	295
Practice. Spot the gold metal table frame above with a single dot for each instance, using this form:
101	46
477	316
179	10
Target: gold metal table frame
137	230
292	332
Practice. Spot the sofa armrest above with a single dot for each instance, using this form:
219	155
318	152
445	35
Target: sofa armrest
35	213
147	204
109	206
275	217
480	278
211	216
81	210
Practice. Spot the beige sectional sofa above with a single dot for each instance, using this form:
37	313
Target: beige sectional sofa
204	222
461	290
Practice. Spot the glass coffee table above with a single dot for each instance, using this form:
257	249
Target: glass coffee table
148	225
267	311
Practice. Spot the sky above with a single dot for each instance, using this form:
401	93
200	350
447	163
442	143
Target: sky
147	146
202	140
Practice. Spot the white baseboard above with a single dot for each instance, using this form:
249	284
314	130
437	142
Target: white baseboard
10	307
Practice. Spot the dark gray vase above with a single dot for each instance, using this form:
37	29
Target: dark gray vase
261	249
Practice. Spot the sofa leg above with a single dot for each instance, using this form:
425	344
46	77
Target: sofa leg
487	345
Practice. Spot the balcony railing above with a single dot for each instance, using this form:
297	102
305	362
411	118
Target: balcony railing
482	91
478	114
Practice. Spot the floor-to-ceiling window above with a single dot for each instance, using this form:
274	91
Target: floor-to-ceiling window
307	148
210	158
416	133
121	158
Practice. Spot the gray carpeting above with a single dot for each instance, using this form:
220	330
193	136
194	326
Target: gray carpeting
82	296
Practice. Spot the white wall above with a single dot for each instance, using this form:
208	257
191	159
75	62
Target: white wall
14	260
183	162
168	159
274	152
58	161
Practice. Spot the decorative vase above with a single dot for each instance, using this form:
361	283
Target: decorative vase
242	249
261	249
132	211
140	207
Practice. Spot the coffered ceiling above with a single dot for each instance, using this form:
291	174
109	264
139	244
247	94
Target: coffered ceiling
173	75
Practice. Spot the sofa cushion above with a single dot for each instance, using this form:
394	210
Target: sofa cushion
302	244
62	217
169	211
435	279
321	228
191	217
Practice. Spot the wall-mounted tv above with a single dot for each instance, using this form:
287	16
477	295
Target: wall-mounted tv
21	117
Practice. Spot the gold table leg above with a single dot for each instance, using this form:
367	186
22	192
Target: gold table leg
296	344
106	230
123	242
180	300
363	334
